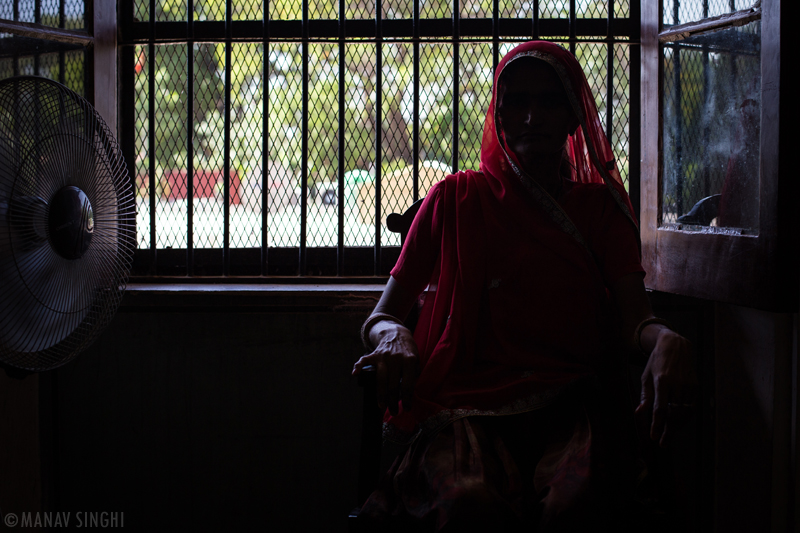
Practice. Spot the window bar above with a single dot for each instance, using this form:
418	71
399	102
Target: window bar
37	18
128	59
634	117
378	124
226	208
415	120
265	185
15	59
535	20
572	33
304	149
495	34
456	67
151	132
678	96
610	76
190	138
61	56
88	56
341	199
704	48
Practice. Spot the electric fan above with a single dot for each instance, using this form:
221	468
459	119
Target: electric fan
67	223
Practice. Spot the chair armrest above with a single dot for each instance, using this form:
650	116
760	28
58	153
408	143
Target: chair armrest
366	378
371	434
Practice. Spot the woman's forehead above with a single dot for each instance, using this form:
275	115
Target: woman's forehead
531	73
527	62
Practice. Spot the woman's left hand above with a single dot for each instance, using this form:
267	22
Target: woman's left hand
669	384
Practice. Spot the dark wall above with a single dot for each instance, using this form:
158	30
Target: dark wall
235	409
213	410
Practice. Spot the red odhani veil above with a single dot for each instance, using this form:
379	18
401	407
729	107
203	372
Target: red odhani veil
588	150
469	202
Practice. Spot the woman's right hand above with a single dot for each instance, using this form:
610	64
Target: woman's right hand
395	359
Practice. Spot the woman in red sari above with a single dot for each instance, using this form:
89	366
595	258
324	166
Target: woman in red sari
534	290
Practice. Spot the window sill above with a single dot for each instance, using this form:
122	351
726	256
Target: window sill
355	296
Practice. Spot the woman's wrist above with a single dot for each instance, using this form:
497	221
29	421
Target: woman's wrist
369	325
387	329
648	333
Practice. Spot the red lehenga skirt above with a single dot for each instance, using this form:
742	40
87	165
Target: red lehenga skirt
565	467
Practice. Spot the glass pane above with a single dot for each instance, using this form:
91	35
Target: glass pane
553	9
210	10
436	9
475	92
208	145
398	9
591	9
247	9
169	155
285	93
323	144
247	123
476	8
397	178
141	163
359	9
169	101
711	130
359	156
621	110
683	11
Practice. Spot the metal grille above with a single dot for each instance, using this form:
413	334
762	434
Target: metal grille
711	124
32	57
683	11
67	14
309	126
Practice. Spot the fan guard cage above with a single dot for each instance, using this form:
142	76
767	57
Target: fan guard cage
53	303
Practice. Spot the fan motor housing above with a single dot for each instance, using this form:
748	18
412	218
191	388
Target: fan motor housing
70	222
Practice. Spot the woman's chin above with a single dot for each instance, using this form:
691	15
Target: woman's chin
535	153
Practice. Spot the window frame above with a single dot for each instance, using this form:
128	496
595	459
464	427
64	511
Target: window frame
341	261
756	271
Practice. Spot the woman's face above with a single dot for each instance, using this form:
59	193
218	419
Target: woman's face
533	109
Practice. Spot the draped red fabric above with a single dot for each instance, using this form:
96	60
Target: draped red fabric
589	151
468	215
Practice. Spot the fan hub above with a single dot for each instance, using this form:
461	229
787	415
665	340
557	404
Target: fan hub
70	222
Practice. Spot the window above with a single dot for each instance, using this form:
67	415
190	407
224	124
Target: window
22	54
274	138
711	102
717	219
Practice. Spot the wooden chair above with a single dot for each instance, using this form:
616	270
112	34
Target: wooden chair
372	417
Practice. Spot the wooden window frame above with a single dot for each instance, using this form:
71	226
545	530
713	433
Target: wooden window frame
101	68
757	271
100	37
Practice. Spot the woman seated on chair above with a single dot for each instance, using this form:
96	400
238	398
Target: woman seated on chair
505	391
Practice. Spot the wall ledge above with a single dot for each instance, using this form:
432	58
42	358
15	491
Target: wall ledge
262	297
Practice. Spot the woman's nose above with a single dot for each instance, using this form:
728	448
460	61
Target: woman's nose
532	113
